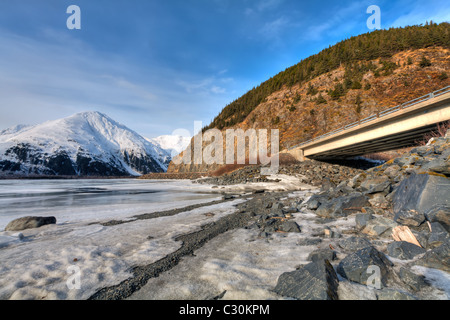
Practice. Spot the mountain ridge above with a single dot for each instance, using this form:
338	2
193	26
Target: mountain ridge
84	144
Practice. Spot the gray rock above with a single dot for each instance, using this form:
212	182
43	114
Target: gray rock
438	235
354	243
439	214
437	258
422	192
439	166
355	266
322	254
343	206
412	280
411	218
379	226
316	200
29	223
309	241
289	226
404	250
314	281
361	220
394	294
313	204
376	185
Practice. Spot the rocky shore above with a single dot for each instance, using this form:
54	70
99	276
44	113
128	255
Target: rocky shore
400	221
311	172
354	234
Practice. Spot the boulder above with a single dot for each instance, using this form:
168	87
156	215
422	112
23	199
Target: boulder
412	280
29	223
379	226
322	254
361	220
360	266
439	214
309	241
315	201
439	166
289	226
437	258
314	281
438	235
411	218
422	192
376	185
343	206
354	243
404	250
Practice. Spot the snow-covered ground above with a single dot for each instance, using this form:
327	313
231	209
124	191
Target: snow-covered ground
39	263
48	262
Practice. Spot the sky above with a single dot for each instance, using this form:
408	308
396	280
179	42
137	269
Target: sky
157	66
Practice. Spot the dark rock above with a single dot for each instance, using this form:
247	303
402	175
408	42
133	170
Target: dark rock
410	218
438	258
376	185
29	223
439	214
289	226
355	266
422	192
314	281
315	201
379	226
404	250
438	235
412	280
322	254
354	243
439	166
343	206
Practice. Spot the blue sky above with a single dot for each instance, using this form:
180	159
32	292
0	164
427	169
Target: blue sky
158	66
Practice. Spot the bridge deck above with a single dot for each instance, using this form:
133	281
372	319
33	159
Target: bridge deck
395	128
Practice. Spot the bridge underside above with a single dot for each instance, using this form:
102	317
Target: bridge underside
387	143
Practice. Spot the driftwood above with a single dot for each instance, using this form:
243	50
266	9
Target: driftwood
403	233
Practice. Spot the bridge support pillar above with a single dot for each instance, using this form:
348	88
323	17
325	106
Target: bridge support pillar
298	154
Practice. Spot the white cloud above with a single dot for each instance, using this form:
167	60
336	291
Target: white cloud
275	28
419	13
343	18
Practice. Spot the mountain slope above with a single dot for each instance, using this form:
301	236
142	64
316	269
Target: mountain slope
340	85
173	144
379	44
85	144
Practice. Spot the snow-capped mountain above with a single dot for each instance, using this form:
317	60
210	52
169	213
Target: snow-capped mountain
85	144
173	144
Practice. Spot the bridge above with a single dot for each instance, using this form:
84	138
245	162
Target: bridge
395	128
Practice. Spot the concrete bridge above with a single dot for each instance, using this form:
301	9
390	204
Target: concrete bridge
390	129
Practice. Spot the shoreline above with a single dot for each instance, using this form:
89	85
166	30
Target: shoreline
264	229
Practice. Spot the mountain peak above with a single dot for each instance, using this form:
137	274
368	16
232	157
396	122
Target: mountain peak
86	143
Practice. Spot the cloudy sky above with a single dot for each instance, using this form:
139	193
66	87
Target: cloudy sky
157	66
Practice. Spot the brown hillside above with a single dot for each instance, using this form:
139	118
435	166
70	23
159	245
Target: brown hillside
343	96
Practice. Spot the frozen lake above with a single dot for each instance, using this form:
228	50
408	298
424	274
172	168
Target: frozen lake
94	200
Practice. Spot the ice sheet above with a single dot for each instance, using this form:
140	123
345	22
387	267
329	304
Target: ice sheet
39	266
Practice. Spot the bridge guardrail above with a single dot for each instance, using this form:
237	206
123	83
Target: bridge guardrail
380	114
